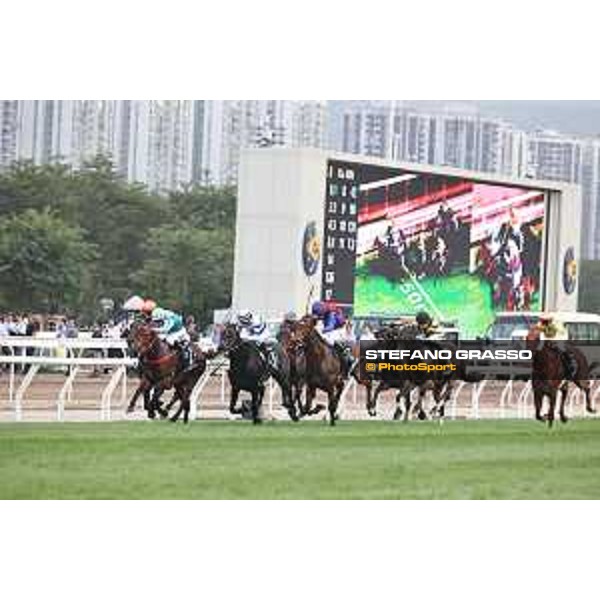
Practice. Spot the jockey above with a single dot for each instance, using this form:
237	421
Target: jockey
170	328
331	325
427	328
552	331
253	328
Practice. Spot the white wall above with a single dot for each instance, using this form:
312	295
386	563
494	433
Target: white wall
281	190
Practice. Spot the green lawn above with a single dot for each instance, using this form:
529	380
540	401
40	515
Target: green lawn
484	459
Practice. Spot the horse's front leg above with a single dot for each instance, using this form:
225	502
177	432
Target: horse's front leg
155	404
311	392
334	399
564	389
552	406
538	397
257	397
142	387
177	396
587	390
372	402
235	393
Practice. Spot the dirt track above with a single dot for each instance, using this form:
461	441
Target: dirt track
40	400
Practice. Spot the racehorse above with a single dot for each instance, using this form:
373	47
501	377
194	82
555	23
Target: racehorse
297	359
324	367
161	369
440	384
549	377
249	370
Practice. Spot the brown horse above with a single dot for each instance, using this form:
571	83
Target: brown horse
440	386
324	368
549	377
297	361
161	369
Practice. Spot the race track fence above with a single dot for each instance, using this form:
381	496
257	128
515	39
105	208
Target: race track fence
72	354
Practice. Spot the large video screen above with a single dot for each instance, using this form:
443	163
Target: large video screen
397	242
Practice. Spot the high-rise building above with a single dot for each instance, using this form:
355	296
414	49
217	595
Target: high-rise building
230	125
9	110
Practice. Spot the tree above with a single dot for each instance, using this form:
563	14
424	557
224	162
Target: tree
188	269
44	262
205	207
25	185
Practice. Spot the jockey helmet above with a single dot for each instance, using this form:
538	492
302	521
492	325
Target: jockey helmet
318	309
544	319
244	318
423	318
148	306
290	317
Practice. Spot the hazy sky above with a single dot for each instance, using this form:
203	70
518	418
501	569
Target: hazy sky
568	116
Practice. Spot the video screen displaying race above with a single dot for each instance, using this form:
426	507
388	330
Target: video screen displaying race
459	249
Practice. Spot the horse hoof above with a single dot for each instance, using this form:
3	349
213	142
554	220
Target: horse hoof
397	415
129	410
422	416
564	419
257	421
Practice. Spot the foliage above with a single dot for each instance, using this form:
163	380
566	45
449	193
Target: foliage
130	231
44	262
189	269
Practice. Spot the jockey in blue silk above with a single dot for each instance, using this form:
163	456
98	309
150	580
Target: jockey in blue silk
331	324
170	327
331	319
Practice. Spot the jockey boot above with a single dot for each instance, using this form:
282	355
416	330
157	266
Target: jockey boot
269	355
186	355
345	356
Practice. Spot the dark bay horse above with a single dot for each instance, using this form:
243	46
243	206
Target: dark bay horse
161	369
324	368
249	370
440	385
549	377
297	361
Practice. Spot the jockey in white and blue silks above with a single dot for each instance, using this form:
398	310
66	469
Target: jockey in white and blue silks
253	328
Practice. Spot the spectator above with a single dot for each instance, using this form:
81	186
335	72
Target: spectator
61	329
4	330
71	329
192	328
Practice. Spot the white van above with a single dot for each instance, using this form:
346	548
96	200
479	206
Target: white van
514	326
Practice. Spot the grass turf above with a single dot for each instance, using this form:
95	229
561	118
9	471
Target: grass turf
476	459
